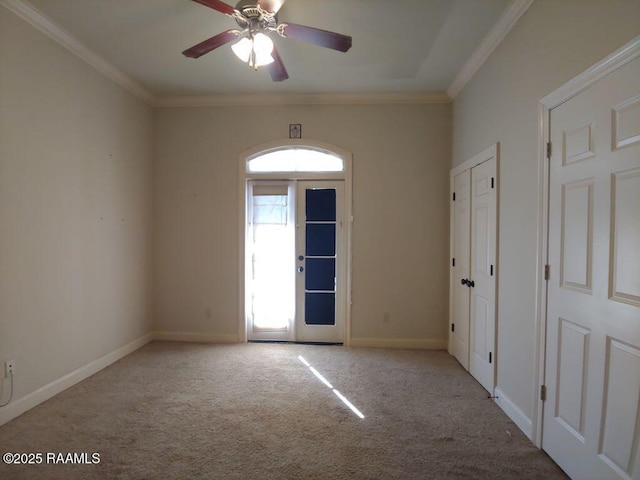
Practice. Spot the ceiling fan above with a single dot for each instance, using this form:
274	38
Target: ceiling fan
257	19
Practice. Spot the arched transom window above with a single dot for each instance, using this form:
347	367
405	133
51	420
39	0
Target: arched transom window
298	159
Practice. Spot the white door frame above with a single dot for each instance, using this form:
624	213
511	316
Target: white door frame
573	87
488	153
244	177
491	152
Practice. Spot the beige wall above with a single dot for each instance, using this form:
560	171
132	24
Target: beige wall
553	42
401	158
75	210
76	180
77	172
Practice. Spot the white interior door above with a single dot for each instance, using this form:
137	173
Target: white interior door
482	285
461	249
320	265
591	424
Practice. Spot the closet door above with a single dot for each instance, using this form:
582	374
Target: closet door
460	250
472	286
482	285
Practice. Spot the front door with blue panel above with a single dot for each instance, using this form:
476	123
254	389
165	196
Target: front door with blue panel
320	256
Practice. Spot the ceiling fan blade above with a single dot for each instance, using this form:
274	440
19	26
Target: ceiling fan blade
271	6
211	44
276	69
323	38
217	5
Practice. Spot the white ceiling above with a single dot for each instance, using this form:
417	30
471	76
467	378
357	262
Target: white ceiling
399	46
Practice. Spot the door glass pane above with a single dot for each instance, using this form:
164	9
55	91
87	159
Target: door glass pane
321	205
320	308
272	288
320	239
320	274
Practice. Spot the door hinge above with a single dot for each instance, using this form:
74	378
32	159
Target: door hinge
453	262
490	357
547	272
454	196
543	393
493	185
453	327
548	149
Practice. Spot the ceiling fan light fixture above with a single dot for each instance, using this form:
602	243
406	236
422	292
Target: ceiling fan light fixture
256	51
256	20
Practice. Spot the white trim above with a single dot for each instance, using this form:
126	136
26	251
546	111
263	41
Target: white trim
523	422
408	343
302	99
604	67
53	388
487	154
194	337
33	16
573	87
449	260
540	308
505	23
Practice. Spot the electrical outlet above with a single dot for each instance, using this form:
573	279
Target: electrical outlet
9	368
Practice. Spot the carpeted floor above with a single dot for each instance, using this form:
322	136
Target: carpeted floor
255	411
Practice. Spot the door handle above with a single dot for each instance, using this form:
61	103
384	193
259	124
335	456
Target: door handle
464	281
471	283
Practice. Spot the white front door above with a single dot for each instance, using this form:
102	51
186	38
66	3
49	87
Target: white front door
591	424
320	266
461	249
482	285
296	269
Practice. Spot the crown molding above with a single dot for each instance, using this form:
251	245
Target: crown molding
505	23
30	14
302	99
26	11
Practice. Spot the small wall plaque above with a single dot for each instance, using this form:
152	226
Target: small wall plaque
295	130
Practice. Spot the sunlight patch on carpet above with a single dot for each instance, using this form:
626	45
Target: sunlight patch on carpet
320	377
336	392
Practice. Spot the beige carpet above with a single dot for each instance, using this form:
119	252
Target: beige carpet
254	411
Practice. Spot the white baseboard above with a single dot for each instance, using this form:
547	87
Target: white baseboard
523	422
412	343
195	337
21	405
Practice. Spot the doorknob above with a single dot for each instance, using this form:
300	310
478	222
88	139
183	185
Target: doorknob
471	283
464	281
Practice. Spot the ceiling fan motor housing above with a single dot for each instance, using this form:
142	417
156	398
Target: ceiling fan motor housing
254	18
